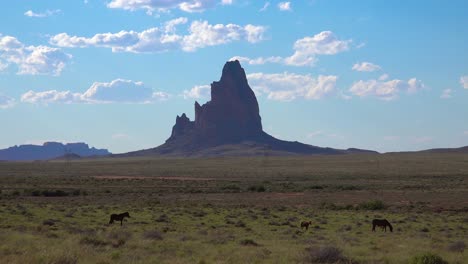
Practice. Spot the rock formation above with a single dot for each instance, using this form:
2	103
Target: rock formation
228	124
49	150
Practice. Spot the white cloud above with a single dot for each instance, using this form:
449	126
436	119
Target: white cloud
464	81
117	91
385	90
6	102
47	13
284	6
289	86
446	94
306	50
383	77
32	60
201	34
366	67
151	6
198	92
265	7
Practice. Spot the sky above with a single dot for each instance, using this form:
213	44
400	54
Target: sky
373	74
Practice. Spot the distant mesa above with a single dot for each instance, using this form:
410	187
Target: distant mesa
229	124
50	150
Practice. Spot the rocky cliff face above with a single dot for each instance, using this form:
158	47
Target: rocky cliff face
232	115
228	124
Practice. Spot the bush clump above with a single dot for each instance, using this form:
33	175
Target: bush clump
153	235
257	188
327	254
458	246
372	205
231	188
248	242
427	258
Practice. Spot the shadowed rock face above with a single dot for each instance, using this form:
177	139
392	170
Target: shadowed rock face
229	124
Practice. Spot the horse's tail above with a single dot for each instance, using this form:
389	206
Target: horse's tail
111	220
389	225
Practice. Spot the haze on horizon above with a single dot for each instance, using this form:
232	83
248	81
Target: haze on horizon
374	75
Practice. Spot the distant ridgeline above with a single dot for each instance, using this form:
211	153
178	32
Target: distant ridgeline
50	150
229	125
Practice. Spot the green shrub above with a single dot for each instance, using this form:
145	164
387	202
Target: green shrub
231	188
327	254
372	205
427	258
257	188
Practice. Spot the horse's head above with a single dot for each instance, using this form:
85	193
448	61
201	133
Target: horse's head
126	214
310	222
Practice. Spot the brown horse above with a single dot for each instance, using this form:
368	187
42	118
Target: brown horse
305	224
383	223
118	217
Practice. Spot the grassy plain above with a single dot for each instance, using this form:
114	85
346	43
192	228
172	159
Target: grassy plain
235	210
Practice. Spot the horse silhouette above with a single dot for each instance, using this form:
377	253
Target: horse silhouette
118	217
382	223
305	224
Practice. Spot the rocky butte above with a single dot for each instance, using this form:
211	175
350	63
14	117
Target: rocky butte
229	124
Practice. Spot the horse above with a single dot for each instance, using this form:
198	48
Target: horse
382	223
118	217
305	224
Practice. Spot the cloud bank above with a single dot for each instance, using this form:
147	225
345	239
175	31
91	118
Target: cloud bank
116	91
154	40
306	50
31	60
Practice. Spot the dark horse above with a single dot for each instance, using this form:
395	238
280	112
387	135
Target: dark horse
118	217
383	223
305	224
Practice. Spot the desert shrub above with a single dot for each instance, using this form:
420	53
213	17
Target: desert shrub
348	188
427	258
162	219
93	241
327	254
332	206
76	192
231	188
372	205
49	222
316	187
200	213
153	235
56	193
240	224
257	188
458	246
65	259
248	242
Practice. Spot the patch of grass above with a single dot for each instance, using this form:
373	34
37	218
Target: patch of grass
327	254
458	246
153	235
427	258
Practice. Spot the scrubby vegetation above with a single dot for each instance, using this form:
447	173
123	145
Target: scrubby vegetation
236	210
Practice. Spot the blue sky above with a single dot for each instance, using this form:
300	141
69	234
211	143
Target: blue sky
382	75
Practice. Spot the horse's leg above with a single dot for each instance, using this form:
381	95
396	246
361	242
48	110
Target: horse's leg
121	220
373	228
